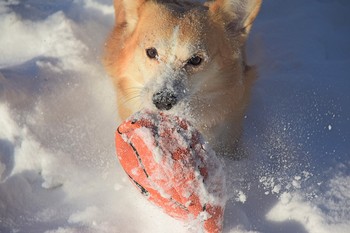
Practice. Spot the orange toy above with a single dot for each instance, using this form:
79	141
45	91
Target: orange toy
168	161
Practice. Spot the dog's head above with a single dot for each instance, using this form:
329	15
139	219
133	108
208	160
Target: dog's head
169	54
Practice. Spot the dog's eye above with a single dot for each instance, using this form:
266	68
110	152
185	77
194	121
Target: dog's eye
151	53
195	61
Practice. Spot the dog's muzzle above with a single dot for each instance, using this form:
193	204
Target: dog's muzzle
164	99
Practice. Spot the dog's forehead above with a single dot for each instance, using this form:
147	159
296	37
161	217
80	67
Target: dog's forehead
181	7
164	23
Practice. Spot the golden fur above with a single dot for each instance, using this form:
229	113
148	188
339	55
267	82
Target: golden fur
213	94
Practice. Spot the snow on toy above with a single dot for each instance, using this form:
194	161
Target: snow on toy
169	162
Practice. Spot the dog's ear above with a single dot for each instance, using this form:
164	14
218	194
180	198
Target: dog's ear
237	15
127	13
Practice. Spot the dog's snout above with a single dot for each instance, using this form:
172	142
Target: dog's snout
164	100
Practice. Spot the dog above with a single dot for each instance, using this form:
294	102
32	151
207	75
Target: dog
185	57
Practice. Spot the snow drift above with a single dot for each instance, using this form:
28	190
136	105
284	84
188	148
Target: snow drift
58	171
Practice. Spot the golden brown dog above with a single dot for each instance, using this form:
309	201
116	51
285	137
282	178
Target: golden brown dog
185	57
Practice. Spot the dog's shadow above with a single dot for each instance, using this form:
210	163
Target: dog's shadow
6	158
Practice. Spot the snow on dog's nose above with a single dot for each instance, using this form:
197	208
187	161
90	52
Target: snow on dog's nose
164	99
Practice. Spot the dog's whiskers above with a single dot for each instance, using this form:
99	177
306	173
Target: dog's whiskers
130	98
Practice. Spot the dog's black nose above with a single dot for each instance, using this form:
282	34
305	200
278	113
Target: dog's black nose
164	100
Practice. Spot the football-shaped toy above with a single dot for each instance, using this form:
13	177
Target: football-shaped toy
170	163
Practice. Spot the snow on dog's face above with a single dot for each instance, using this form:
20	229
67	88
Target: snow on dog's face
182	56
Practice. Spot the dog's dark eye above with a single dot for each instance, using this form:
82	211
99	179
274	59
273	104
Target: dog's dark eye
195	61
151	53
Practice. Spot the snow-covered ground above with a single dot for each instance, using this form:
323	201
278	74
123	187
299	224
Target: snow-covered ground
58	170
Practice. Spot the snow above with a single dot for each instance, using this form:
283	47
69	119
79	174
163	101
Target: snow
58	169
